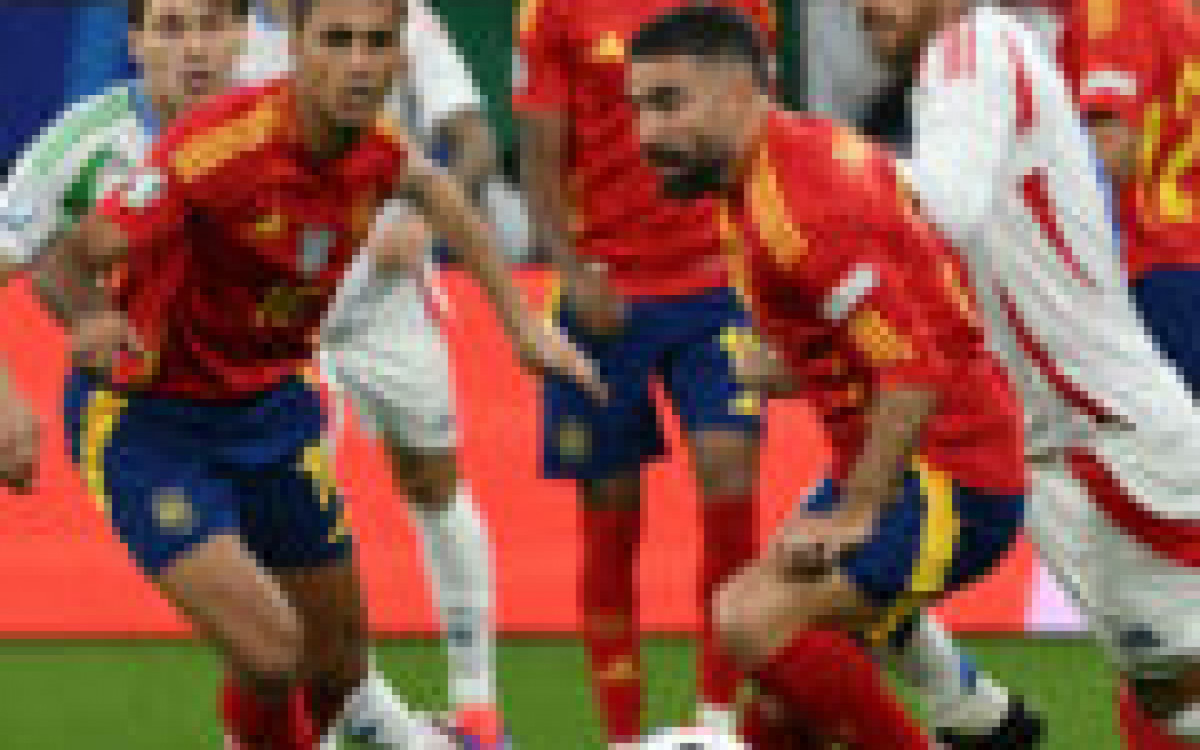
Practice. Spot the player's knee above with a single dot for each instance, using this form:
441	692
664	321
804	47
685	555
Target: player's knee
725	464
274	649
740	621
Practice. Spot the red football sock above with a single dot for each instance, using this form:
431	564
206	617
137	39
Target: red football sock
730	541
609	597
259	724
326	700
837	690
1142	732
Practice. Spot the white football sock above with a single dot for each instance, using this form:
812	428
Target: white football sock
458	560
720	719
373	706
956	696
1185	724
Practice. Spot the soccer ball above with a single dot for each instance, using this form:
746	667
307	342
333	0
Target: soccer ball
690	738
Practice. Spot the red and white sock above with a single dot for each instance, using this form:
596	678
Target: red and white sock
610	614
730	542
837	690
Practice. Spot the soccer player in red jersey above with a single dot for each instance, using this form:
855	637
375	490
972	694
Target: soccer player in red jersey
1135	65
873	319
646	289
207	448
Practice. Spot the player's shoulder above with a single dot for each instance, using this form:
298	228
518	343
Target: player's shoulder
223	127
821	150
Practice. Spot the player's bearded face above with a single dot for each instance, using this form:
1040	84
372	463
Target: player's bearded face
680	126
898	29
348	53
187	48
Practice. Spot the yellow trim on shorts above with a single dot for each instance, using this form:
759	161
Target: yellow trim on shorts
317	464
100	420
554	298
939	537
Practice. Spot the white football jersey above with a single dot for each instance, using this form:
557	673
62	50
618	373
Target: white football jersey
1003	164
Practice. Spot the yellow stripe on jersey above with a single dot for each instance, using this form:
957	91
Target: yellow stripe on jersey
769	210
1188	88
554	296
210	149
1103	17
528	17
100	419
735	251
1174	201
877	339
939	537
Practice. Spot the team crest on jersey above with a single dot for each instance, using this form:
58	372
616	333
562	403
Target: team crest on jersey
173	511
146	186
315	244
609	48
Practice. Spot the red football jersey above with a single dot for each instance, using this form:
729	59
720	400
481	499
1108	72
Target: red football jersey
571	60
238	239
1140	60
859	295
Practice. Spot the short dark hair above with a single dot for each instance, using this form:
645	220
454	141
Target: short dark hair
137	10
302	9
706	31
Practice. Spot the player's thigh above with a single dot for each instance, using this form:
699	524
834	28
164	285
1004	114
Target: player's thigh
761	607
722	418
588	441
933	538
177	515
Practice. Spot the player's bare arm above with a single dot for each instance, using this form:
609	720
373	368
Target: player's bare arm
813	543
20	432
541	347
472	146
543	148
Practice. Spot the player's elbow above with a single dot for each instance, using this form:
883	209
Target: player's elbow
743	618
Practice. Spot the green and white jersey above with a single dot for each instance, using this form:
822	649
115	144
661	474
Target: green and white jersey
67	169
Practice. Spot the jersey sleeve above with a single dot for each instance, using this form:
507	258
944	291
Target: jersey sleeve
863	295
151	206
33	200
965	125
440	77
541	62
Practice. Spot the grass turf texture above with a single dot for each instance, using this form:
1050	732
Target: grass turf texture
143	695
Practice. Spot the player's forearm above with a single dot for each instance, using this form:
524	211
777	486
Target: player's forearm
65	283
544	159
451	216
472	147
894	426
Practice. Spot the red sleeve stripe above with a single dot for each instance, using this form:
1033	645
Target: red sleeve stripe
1037	199
1069	392
1023	88
960	52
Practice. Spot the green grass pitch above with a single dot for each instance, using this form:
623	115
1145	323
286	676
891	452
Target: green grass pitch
150	695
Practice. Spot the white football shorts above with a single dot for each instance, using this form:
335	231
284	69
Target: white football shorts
1143	607
383	350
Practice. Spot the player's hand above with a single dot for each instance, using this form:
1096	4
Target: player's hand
761	368
548	352
20	439
811	544
102	340
399	246
596	305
